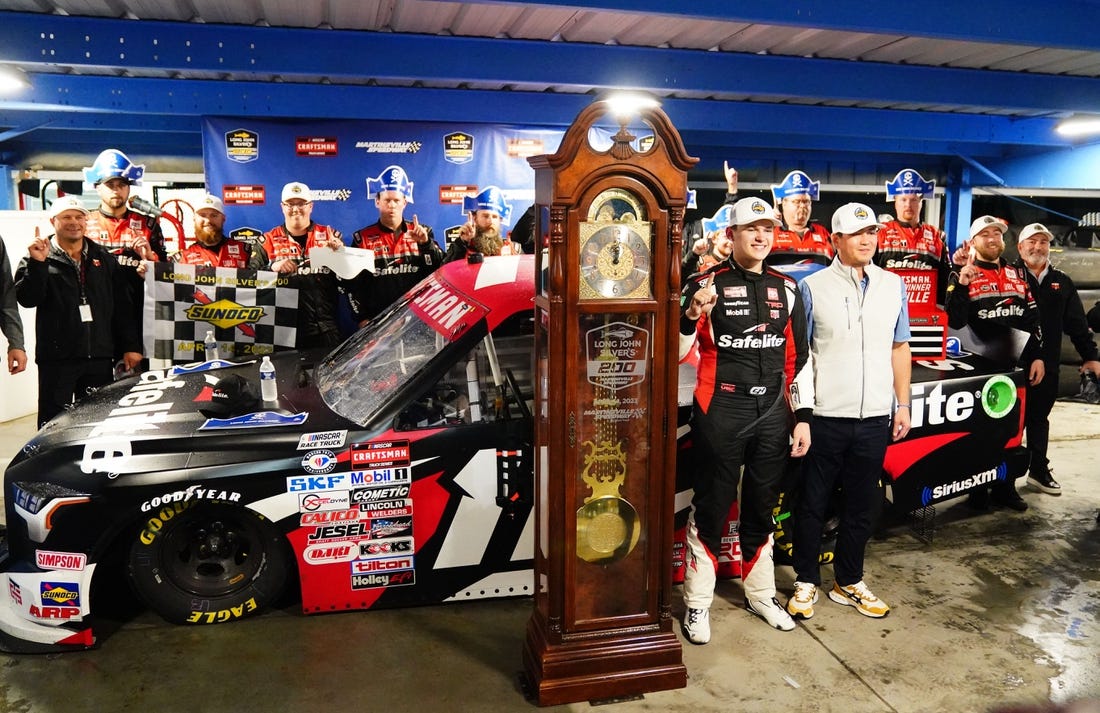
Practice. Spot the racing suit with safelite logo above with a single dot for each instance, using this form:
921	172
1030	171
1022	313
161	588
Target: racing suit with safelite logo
914	247
753	370
994	302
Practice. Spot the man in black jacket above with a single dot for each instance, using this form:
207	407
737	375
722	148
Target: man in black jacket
1060	312
10	323
84	315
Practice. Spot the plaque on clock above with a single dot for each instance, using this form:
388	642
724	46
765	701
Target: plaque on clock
607	318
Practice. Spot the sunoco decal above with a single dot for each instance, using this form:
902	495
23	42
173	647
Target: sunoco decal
60	594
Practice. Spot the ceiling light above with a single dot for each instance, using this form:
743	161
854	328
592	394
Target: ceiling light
626	105
1079	126
12	80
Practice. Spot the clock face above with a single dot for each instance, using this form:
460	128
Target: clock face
615	247
615	261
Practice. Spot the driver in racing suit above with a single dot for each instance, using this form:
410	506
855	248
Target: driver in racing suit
906	243
753	356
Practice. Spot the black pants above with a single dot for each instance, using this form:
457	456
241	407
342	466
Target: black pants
722	444
1040	400
59	383
851	451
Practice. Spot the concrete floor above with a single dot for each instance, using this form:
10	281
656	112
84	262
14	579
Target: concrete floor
1001	609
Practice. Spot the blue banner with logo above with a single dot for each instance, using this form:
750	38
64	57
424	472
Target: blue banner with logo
248	161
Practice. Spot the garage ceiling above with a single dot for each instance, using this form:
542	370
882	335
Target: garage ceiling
802	81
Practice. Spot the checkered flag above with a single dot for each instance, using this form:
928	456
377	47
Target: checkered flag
251	312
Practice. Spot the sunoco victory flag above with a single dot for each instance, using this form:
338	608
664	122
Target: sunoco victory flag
251	312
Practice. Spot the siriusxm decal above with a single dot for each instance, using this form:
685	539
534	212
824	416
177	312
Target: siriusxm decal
957	487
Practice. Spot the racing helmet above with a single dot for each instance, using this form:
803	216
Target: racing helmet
112	163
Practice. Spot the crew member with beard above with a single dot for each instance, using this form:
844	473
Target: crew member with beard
1060	312
133	238
211	248
993	297
404	252
754	371
285	249
485	213
906	243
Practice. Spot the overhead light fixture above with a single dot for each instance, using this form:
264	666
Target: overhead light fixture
626	105
12	80
1076	126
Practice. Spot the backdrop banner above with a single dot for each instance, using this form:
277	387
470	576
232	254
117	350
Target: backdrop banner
248	161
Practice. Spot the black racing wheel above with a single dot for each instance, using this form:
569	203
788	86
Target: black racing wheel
208	563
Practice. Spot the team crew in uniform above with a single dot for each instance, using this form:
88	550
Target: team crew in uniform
404	253
858	322
992	298
799	237
1060	312
753	371
211	248
906	243
133	238
84	316
482	232
285	249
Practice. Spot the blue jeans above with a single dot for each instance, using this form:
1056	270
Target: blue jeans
848	452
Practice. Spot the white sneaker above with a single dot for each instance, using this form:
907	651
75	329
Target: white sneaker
770	611
801	603
696	626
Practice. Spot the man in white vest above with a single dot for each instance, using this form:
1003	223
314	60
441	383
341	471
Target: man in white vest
858	324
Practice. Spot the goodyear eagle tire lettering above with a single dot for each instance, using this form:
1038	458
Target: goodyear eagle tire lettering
207	563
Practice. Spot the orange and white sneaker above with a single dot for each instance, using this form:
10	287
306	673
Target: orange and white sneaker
801	604
859	596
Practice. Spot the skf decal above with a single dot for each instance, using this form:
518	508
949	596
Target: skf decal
74	561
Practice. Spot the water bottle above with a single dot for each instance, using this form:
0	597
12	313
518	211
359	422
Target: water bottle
211	346
268	390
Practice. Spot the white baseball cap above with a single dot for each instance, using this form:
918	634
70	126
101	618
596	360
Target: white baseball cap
852	218
296	189
210	201
1035	229
64	203
749	210
987	221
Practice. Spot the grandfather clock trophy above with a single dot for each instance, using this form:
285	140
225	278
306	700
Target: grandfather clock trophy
606	325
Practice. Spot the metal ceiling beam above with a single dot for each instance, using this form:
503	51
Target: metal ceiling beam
1024	22
94	45
119	103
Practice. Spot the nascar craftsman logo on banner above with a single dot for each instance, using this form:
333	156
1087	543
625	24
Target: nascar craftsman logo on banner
250	312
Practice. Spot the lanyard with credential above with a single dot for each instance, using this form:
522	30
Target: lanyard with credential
82	276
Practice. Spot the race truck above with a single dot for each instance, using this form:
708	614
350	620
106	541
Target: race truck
394	470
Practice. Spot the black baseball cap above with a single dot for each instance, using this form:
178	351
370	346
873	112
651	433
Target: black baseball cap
232	396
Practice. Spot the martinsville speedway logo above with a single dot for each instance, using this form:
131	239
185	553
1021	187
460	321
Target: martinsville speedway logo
224	313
